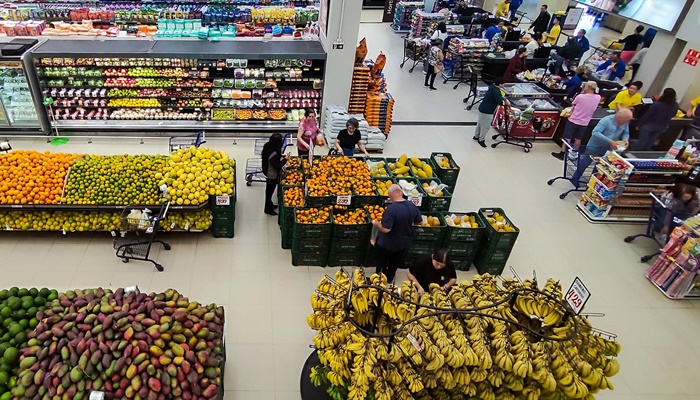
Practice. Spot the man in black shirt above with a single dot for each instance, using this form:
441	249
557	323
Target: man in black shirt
436	268
541	23
349	138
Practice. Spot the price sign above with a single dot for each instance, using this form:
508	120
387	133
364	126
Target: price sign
311	153
130	289
97	395
344	200
414	342
577	295
417	200
223	201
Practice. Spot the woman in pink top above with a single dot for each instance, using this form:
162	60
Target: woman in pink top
308	128
582	110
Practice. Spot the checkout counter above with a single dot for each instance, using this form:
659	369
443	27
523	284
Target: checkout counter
674	130
495	67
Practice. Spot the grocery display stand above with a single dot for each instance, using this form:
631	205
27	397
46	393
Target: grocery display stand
176	85
468	62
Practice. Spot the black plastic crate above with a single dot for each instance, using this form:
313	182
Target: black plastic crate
342	245
455	234
359	200
424	247
308	245
345	259
484	265
317	201
223	231
430	233
286	237
500	240
222	205
462	263
355	231
309	259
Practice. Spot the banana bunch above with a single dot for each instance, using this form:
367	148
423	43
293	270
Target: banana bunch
504	359
382	389
337	392
374	293
531	392
461	376
520	346
429	379
495	376
514	382
323	319
337	360
411	378
478	374
504	393
334	335
409	349
390	306
445	378
360	300
485	391
318	376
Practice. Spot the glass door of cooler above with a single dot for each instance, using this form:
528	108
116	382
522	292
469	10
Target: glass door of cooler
18	106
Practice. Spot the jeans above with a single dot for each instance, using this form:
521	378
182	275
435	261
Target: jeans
430	76
388	262
583	163
483	124
270	186
647	136
348	152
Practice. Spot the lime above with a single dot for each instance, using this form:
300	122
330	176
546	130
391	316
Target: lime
6	396
5	367
13	291
13	382
15	329
44	292
39	301
32	312
52	296
3	294
27	302
6	312
33	323
14	303
33	292
6	337
24	323
4	377
11	356
7	322
19	314
23	292
21	338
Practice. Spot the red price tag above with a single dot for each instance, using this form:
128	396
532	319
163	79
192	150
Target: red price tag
223	200
577	295
417	200
343	200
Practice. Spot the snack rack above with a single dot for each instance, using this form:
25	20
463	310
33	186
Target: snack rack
465	53
402	15
609	175
422	20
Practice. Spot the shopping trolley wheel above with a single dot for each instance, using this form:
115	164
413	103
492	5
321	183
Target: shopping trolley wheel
493	146
159	267
166	246
562	196
411	70
455	87
527	150
125	260
629	239
248	183
550	182
469	108
645	258
494	137
401	66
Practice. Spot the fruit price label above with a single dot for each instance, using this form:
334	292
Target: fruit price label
577	295
344	200
97	395
130	289
223	201
417	200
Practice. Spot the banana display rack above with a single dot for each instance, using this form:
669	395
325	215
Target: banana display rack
138	234
489	337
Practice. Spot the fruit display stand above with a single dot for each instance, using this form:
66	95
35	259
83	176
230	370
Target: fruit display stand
618	190
675	271
121	343
445	168
70	192
136	85
487	338
350	233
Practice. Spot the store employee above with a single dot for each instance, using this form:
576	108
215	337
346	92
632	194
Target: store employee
627	98
350	137
435	268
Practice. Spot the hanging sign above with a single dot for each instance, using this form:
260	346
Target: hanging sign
577	295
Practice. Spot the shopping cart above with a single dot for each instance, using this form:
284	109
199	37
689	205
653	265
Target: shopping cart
138	233
414	51
572	159
505	122
662	221
185	142
253	166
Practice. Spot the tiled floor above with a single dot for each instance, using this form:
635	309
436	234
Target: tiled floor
267	299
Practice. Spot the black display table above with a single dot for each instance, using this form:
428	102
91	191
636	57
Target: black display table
308	390
496	67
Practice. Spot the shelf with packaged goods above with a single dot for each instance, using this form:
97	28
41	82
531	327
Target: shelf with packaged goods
246	83
608	218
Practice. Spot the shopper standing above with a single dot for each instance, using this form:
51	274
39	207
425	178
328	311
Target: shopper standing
492	99
516	65
503	9
435	67
631	43
272	162
582	109
637	60
350	137
627	98
583	42
575	81
541	23
514	5
440	32
655	121
395	232
436	268
308	129
605	136
553	34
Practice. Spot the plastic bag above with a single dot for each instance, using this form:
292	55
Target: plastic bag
433	188
409	189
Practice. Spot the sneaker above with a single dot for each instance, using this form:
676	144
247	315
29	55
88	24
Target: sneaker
475	138
482	143
558	155
432	88
271	212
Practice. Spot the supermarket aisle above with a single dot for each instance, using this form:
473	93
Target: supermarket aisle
267	299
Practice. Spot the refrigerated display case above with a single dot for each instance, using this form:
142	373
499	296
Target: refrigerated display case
541	125
17	103
168	85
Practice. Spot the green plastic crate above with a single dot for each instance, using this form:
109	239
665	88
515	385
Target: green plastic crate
309	259
386	166
351	231
500	240
425	161
393	161
286	236
462	249
462	263
222	231
345	259
455	234
311	230
424	247
309	245
430	233
342	245
448	176
222	206
484	265
361	200
439	203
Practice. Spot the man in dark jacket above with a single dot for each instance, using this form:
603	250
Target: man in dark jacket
492	99
583	42
541	23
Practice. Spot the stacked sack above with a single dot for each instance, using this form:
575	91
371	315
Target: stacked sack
379	110
336	120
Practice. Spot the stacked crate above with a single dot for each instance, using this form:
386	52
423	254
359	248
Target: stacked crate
348	242
285	218
358	90
223	214
310	243
496	246
463	242
426	239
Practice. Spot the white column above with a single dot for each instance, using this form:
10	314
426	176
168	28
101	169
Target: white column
340	62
